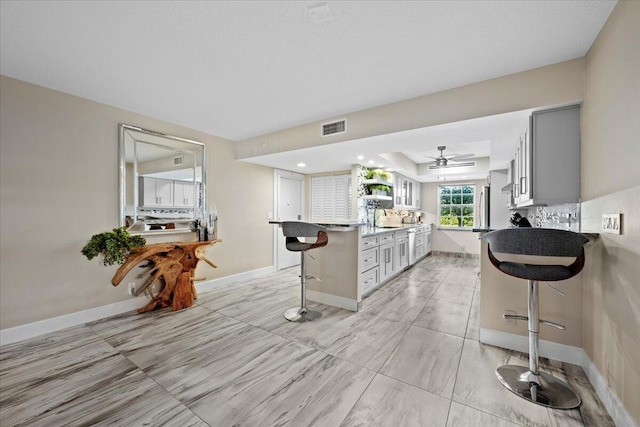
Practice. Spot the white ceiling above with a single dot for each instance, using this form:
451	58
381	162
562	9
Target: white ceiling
239	69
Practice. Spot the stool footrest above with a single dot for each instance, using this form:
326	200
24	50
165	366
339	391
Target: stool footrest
544	322
514	317
553	324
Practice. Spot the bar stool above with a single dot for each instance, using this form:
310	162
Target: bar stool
292	230
531	384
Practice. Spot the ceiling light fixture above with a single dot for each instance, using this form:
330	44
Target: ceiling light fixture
371	162
301	165
360	157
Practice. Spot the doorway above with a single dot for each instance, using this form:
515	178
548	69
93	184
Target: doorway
288	206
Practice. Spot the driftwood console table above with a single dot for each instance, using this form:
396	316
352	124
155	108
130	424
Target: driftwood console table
173	266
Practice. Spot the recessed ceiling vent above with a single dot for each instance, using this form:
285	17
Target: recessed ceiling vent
334	127
178	160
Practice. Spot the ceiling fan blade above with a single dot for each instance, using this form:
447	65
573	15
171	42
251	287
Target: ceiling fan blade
462	156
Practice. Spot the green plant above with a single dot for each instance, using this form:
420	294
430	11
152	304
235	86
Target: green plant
113	245
380	187
373	173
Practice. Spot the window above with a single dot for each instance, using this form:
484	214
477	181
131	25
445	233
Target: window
456	205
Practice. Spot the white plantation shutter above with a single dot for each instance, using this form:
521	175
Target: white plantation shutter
331	198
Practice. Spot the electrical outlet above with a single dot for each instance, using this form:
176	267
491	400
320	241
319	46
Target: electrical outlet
132	289
511	322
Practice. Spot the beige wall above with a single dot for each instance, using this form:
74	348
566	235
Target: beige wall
59	185
446	240
557	84
611	184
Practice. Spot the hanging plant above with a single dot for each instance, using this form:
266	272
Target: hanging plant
113	245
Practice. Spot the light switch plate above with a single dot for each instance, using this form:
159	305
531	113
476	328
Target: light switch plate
612	223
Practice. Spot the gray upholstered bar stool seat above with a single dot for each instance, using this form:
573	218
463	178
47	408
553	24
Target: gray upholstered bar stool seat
531	384
292	230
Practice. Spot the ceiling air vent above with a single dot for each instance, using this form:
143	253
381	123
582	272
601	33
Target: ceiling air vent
334	127
178	160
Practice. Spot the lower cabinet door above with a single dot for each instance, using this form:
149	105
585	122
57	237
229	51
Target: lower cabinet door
369	280
420	251
386	262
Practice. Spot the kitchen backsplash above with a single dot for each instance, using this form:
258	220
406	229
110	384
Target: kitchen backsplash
565	217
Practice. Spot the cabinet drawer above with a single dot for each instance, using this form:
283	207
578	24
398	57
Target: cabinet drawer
369	259
369	242
385	238
420	239
369	279
420	251
401	235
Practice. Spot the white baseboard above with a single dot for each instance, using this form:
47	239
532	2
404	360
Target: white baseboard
569	354
30	330
334	300
619	414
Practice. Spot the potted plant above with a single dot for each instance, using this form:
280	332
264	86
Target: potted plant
113	245
378	174
379	190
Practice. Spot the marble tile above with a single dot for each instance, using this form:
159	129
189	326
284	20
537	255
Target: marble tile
370	342
402	306
232	359
464	416
477	386
473	325
388	402
464	276
592	411
457	294
78	379
322	394
443	316
418	287
225	396
426	359
434	272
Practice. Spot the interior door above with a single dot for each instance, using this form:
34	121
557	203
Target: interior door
289	195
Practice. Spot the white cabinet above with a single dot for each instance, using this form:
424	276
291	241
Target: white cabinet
183	194
386	261
369	280
330	198
155	192
401	251
547	163
369	261
417	188
406	193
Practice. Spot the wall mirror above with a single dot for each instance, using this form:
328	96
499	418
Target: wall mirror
162	180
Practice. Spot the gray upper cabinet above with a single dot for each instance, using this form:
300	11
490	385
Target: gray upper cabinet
547	161
406	193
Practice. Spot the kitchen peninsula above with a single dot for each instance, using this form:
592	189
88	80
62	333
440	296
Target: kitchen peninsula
359	259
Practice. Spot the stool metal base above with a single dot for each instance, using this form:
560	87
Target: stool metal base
301	315
542	389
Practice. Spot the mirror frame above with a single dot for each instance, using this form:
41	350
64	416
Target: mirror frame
201	215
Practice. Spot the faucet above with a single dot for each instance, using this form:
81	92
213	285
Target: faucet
374	215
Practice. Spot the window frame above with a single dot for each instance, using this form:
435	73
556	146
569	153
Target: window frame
461	205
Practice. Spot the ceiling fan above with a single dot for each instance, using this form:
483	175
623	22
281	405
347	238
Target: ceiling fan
444	161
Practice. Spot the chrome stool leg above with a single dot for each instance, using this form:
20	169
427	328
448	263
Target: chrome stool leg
531	384
302	313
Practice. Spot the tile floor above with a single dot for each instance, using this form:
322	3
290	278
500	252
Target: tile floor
411	357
